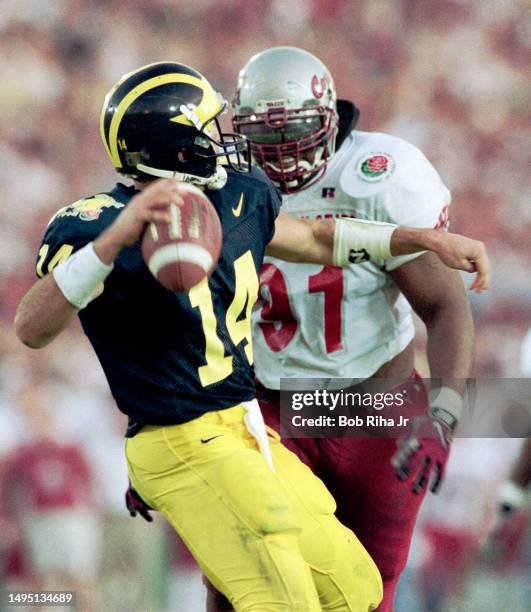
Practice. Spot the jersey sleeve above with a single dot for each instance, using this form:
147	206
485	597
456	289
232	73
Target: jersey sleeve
70	229
273	204
270	200
418	198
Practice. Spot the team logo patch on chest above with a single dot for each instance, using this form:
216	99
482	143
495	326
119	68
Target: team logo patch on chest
375	166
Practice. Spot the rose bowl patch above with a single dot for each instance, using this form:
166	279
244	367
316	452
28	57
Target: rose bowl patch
375	166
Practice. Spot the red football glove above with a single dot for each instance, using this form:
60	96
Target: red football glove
422	454
135	503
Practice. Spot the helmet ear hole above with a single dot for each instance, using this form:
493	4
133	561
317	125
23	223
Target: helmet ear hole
183	155
132	158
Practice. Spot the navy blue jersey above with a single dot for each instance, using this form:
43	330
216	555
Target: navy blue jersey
170	357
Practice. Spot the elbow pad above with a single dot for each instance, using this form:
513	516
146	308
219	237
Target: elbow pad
356	241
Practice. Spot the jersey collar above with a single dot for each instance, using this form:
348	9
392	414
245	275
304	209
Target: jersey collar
348	117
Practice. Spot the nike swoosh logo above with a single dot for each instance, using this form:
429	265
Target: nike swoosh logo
205	440
236	211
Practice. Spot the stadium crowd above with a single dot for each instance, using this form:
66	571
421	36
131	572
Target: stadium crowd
449	76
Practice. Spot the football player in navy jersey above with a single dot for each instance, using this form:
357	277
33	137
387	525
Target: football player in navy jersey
260	524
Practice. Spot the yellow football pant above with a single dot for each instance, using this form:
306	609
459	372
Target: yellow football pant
268	541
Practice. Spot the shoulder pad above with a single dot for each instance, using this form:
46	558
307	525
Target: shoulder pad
378	160
394	175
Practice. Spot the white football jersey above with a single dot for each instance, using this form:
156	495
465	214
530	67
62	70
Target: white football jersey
325	321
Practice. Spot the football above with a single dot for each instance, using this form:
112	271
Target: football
180	254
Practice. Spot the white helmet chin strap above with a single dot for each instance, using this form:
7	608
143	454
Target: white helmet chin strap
214	181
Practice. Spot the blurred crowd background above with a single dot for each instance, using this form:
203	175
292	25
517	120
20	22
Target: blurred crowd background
449	76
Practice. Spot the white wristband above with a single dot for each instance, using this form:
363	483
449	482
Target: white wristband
80	277
447	399
357	240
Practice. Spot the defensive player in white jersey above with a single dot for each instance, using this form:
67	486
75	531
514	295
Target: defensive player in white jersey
355	322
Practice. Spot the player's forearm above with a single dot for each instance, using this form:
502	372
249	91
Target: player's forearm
346	241
49	305
408	240
313	245
451	344
330	242
108	245
302	240
357	240
42	314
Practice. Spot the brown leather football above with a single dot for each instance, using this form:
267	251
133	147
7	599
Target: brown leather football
180	254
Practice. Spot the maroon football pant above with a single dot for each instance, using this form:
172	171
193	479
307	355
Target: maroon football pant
370	499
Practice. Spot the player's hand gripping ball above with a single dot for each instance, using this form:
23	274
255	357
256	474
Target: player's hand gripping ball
184	251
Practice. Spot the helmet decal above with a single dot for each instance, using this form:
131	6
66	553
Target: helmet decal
210	105
318	86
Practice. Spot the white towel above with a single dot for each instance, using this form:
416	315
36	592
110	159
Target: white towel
254	421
